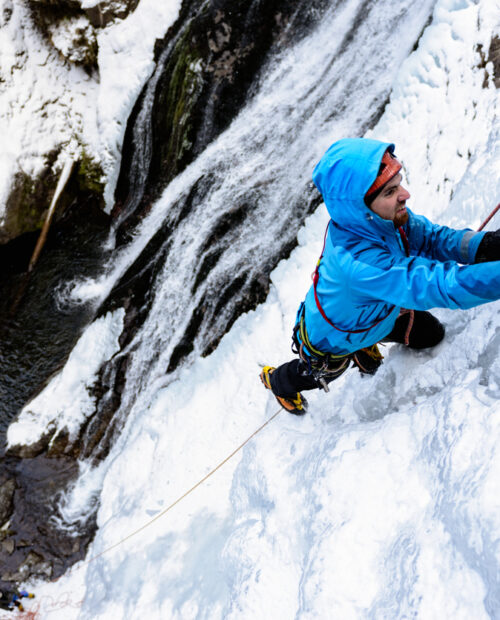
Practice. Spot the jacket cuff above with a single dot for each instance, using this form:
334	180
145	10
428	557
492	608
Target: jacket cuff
469	244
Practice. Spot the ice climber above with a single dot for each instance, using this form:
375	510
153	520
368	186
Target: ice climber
382	268
9	600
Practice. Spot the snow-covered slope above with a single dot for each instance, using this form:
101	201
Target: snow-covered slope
47	103
382	502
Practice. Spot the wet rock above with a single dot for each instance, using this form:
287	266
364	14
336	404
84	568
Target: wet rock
29	197
102	13
207	67
6	500
33	566
28	201
34	546
8	546
62	445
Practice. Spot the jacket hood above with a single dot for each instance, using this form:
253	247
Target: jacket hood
343	176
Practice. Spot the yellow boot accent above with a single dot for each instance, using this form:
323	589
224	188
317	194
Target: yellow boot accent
296	405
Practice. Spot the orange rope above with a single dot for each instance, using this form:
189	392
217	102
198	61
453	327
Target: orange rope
489	217
179	499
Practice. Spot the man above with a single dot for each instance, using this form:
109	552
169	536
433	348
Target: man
11	599
383	267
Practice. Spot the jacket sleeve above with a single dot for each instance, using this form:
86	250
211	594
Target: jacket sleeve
440	242
421	284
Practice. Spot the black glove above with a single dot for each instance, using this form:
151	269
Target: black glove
489	248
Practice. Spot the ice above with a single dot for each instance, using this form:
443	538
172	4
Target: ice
67	400
383	501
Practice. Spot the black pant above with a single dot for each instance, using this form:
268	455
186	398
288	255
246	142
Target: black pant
294	376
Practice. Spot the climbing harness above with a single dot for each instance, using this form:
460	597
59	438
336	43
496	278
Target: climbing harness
322	366
325	367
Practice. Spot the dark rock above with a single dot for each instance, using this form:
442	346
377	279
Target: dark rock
494	58
28	201
34	546
29	198
107	11
6	500
8	546
34	565
60	445
208	66
31	450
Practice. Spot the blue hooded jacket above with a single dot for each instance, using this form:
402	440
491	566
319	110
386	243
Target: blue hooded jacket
365	276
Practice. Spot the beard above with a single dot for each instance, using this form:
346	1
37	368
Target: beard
400	219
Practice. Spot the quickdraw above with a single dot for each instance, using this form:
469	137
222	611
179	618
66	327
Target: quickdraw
320	365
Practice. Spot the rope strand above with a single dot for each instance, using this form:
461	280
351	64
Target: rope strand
489	217
179	499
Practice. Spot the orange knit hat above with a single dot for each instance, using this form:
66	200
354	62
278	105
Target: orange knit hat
389	167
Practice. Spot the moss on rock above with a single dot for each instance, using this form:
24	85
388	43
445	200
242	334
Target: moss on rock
30	197
90	174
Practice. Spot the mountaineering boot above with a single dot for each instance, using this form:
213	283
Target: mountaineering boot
293	404
368	360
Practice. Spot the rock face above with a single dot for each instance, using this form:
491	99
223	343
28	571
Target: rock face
207	67
6	500
71	28
31	543
30	197
63	35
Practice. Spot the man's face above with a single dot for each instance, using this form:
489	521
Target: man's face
390	204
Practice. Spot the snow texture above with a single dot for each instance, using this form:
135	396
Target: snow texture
382	502
67	398
47	103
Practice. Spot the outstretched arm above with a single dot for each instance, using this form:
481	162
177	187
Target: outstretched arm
440	242
421	284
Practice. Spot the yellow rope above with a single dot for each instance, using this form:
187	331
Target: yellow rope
179	499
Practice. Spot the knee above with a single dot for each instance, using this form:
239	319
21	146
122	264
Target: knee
427	333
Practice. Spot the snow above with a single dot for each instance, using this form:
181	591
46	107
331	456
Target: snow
125	63
382	502
47	103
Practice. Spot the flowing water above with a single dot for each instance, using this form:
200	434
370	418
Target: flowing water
211	240
382	501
